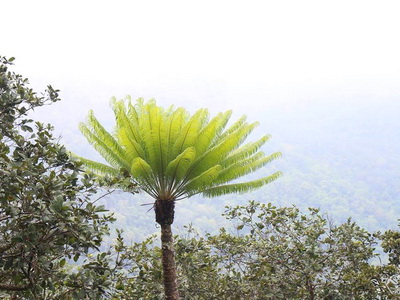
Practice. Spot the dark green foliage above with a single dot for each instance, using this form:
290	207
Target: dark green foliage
17	99
47	219
391	245
297	255
275	253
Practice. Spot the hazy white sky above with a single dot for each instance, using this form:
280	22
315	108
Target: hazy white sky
255	57
243	55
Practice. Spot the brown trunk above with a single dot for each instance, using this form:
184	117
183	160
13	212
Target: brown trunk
165	217
310	288
168	262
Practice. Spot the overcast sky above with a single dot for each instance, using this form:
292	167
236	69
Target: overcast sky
245	55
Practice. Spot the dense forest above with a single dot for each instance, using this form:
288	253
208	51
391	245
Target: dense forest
294	241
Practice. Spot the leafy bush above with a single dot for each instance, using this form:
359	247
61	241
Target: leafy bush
275	253
47	217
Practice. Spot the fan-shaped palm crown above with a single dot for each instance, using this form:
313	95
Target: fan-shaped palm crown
173	155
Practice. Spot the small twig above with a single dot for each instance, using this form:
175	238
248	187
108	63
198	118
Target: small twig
102	196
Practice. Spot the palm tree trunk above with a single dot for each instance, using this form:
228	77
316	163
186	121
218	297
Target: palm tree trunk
165	217
168	263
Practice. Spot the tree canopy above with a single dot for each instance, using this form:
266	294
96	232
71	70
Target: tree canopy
47	216
272	253
173	155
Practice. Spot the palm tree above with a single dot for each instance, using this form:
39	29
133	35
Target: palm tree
172	155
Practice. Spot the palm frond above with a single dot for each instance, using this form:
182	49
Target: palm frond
189	132
244	151
211	131
125	122
177	168
149	120
131	147
219	152
108	154
96	167
143	174
161	137
133	116
103	134
245	166
141	169
231	129
174	123
202	181
240	188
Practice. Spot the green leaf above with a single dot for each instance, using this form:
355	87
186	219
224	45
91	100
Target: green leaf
62	262
9	263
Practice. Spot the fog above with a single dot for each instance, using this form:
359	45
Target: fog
222	55
321	78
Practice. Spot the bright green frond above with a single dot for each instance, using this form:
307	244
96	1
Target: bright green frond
149	122
211	131
140	169
189	132
98	130
202	181
220	151
125	122
133	116
225	119
162	141
174	124
139	105
240	188
245	166
96	167
143	174
245	151
132	148
231	129
178	167
109	155
169	110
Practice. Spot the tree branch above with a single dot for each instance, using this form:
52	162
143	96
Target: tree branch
11	287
